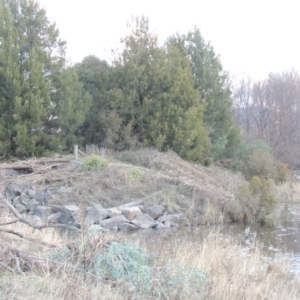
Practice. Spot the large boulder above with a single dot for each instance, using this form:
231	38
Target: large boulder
71	215
54	218
155	211
32	204
114	222
96	214
113	212
13	190
43	212
127	227
44	197
130	212
144	221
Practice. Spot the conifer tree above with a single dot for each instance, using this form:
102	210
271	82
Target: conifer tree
32	56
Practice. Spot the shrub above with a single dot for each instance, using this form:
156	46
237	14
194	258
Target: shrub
135	175
257	200
94	163
256	159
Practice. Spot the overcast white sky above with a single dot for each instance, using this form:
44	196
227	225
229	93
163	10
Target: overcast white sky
252	37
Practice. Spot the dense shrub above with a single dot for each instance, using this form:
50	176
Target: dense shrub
94	163
256	159
257	201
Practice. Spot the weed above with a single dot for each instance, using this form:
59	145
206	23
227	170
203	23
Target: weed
135	175
94	163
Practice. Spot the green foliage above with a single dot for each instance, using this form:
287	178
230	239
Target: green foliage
135	175
134	266
40	99
256	159
258	201
210	81
94	163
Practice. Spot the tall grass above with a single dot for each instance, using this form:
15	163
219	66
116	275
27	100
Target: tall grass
212	266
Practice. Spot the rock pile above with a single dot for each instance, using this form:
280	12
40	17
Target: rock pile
126	217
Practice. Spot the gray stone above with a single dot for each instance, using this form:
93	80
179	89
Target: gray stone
143	221
170	224
66	218
176	218
55	208
20	208
160	225
13	190
43	212
32	204
155	211
127	227
24	199
32	194
162	218
114	222
96	214
44	197
131	212
16	201
113	212
35	220
54	218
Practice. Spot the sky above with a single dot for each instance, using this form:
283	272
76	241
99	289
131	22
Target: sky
251	37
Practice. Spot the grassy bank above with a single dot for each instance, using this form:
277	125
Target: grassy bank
111	266
205	195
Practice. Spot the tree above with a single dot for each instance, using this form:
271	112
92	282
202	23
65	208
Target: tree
32	56
210	81
270	110
157	95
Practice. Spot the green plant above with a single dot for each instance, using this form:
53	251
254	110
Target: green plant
256	159
258	201
94	163
135	175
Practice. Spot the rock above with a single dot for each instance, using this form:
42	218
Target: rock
155	211
32	205
96	214
131	204
113	212
114	222
131	212
55	208
54	218
34	220
162	219
66	218
20	207
176	218
32	194
170	224
160	225
143	221
13	190
44	197
43	212
127	227
24	199
16	201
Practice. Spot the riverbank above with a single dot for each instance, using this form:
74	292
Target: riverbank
114	266
45	264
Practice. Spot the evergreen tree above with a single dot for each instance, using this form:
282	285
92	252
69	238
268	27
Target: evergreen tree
210	82
32	57
157	95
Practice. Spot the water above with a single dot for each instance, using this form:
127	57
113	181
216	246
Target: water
281	242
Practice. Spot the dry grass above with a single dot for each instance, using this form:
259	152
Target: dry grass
204	195
229	270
